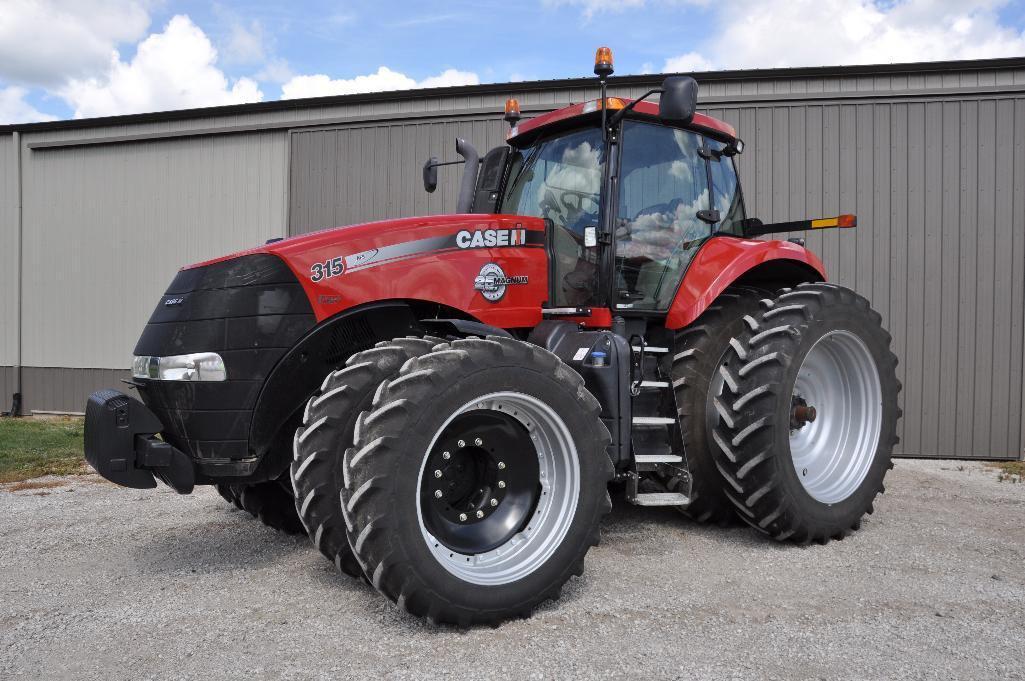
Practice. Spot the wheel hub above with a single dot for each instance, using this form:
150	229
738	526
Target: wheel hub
801	413
480	482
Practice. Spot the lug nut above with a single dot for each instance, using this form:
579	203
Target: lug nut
437	494
501	465
461	443
501	484
480	514
494	502
446	456
478	442
462	516
437	473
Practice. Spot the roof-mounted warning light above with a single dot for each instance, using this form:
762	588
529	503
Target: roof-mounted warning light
512	112
603	63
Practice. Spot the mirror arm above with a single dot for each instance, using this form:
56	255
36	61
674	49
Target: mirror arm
618	116
445	163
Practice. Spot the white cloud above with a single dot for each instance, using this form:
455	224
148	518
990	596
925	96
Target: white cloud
43	42
779	33
384	79
245	43
590	8
275	71
174	69
14	108
687	63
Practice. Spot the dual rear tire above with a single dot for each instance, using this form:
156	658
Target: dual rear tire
808	414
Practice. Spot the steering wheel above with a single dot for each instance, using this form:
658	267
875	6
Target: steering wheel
549	206
660	208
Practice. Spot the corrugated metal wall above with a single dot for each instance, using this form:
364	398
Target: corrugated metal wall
106	228
362	173
939	189
932	158
938	183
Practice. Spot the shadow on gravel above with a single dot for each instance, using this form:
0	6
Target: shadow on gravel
630	529
231	541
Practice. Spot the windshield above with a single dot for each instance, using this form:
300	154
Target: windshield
560	179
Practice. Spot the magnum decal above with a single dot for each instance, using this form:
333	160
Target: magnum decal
491	282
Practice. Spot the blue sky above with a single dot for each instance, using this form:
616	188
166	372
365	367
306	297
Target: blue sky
83	58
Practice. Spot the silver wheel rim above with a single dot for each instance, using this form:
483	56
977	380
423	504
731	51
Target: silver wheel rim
545	530
833	454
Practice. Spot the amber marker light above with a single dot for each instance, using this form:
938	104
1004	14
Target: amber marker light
839	221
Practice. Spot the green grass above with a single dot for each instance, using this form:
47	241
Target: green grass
1011	471
32	447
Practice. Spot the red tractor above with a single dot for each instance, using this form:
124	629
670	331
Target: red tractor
442	403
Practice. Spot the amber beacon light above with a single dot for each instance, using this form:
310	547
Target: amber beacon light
512	111
603	62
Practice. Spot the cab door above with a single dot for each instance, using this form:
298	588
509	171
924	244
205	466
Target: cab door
664	210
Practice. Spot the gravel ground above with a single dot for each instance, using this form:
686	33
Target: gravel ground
103	582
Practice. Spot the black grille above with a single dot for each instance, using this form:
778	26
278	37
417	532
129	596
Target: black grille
250	310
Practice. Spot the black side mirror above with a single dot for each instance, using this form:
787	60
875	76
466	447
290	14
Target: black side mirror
431	175
679	99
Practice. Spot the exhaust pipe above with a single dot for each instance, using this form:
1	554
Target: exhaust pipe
469	184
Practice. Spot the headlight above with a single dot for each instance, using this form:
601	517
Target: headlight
197	366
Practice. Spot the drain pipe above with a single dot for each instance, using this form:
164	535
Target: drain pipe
16	399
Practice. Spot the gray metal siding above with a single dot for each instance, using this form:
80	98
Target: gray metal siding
108	226
344	176
62	389
8	383
931	159
937	186
939	250
8	254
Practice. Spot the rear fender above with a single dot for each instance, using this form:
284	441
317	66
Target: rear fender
724	261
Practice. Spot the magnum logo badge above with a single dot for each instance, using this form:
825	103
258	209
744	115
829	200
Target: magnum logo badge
491	282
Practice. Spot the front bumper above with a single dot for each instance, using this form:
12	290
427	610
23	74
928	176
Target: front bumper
121	444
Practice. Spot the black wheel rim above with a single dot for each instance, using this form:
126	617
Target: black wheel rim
481	482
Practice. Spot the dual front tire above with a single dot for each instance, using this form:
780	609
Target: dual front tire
473	482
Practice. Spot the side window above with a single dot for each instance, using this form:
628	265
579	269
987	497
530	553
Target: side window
663	185
726	196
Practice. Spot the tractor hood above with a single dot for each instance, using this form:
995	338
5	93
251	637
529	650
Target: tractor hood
435	259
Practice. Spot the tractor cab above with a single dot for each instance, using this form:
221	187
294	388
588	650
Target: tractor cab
629	190
627	208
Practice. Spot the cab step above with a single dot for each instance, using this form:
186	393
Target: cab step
653	421
660	499
650	349
653	384
657	458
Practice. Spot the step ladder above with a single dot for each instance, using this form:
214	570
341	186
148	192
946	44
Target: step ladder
654	431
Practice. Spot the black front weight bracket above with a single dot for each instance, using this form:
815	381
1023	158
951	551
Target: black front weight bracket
120	444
